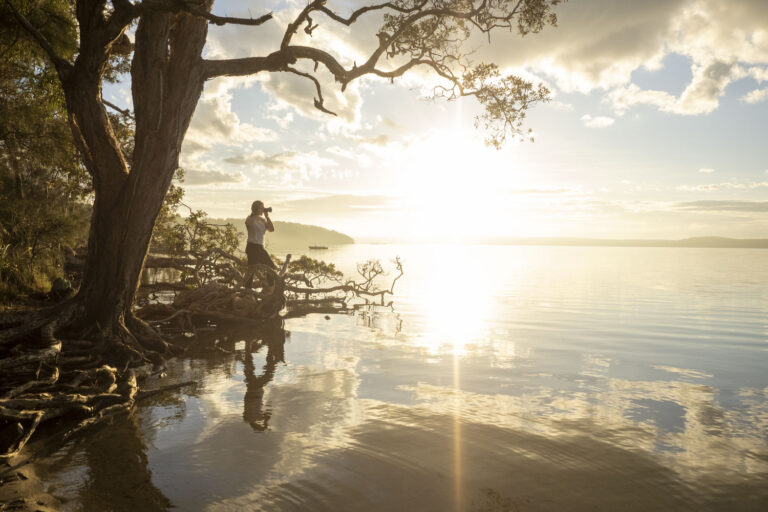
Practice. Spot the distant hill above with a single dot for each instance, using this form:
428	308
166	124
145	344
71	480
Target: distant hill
704	241
289	235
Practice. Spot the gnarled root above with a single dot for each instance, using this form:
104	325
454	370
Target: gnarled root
90	394
50	369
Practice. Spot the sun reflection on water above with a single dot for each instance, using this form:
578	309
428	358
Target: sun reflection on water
454	297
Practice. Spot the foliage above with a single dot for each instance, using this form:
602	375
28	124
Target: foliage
313	270
176	236
45	191
209	244
43	185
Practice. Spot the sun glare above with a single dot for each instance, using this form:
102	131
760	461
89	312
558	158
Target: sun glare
455	295
455	189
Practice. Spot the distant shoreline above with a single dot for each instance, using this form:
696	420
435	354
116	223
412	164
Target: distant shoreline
701	243
698	242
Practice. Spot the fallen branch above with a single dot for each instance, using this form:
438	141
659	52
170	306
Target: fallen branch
151	392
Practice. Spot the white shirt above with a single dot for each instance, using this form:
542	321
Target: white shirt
256	227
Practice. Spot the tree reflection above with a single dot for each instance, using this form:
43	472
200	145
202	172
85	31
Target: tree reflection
118	474
255	413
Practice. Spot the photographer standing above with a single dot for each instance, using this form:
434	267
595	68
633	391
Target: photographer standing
257	225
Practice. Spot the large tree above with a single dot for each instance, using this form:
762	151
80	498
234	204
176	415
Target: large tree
168	71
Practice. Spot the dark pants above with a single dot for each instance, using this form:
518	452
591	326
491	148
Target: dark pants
256	255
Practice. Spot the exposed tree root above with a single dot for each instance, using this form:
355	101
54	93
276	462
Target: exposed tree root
53	367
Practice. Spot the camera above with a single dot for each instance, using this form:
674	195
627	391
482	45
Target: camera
268	209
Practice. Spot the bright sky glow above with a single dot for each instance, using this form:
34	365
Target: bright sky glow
657	129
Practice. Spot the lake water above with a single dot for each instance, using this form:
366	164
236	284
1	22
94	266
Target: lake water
504	379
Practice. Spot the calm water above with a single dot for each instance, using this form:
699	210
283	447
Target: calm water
506	378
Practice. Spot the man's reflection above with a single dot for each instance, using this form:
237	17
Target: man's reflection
273	336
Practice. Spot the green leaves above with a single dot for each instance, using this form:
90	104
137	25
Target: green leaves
43	186
505	99
438	35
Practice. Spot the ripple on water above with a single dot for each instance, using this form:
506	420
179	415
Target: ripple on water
552	379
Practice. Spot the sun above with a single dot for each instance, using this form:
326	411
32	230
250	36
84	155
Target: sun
454	188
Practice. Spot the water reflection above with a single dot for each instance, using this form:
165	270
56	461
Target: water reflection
580	390
456	297
273	336
107	471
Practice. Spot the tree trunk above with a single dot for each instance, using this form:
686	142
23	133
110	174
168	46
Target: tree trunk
167	81
121	229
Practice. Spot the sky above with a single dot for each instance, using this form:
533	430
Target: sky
657	128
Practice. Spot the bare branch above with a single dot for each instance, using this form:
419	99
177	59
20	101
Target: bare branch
196	10
276	61
319	100
294	26
125	112
363	10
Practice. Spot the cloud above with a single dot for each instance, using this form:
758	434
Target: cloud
298	94
340	204
546	191
706	170
724	206
214	122
287	168
193	148
283	119
596	122
701	96
598	45
755	96
711	187
559	105
389	123
208	177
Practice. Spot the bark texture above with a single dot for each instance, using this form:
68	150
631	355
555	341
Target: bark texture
167	78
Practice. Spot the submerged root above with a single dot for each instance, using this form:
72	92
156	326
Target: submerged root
50	370
84	395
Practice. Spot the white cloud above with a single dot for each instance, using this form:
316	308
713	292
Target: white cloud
215	122
596	122
711	187
706	170
599	44
626	97
559	105
701	96
211	177
755	96
283	119
293	92
287	168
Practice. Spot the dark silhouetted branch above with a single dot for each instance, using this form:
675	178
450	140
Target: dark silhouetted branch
319	100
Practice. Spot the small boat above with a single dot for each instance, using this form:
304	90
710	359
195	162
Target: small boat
317	247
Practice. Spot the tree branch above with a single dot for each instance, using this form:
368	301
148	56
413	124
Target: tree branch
225	20
363	10
319	100
125	112
62	65
196	10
